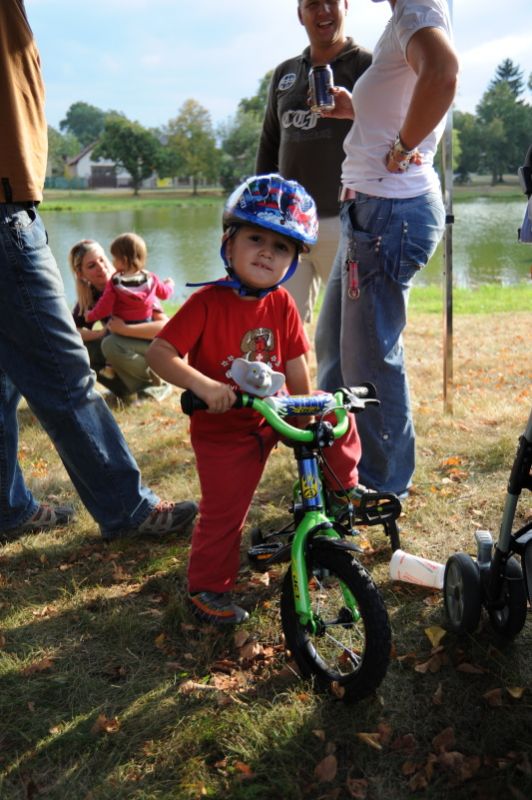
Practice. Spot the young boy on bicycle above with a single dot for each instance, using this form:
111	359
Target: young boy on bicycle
268	221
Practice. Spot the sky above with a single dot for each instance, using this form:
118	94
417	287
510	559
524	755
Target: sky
144	58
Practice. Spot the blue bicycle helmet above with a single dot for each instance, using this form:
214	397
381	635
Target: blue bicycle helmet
268	201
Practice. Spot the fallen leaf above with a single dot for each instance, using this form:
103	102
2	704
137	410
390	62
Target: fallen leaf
244	769
43	612
357	788
38	666
55	729
371	739
385	732
515	691
418	782
472	669
433	665
493	697
337	690
437	697
326	770
105	725
406	742
241	638
250	651
189	687
444	740
319	734
435	634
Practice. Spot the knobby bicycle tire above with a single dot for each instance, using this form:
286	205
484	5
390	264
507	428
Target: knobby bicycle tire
348	656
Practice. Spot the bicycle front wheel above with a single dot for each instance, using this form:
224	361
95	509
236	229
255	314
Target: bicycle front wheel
350	650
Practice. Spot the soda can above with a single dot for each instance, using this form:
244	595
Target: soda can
321	81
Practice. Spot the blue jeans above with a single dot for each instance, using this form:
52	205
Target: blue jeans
42	357
359	332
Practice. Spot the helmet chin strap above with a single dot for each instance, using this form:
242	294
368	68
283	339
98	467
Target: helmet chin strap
234	281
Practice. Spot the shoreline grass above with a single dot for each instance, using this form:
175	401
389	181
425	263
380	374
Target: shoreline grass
110	690
81	200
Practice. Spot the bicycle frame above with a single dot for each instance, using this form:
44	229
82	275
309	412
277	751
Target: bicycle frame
314	518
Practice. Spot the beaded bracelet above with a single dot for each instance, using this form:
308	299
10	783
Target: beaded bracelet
400	154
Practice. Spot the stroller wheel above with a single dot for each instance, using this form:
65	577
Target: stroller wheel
509	620
462	593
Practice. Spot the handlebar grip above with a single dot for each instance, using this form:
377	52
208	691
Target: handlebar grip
365	391
190	402
358	397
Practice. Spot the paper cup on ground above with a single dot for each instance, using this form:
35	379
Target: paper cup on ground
415	569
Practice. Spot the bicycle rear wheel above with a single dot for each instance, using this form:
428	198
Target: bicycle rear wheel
350	652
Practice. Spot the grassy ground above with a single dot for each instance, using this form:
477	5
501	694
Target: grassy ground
120	199
109	689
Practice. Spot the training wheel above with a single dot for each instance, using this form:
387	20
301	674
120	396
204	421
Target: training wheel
462	593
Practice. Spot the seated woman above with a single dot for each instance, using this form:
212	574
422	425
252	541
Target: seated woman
117	344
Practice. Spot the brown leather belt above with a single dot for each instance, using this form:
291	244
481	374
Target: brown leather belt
346	194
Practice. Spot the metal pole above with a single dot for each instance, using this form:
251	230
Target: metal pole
447	159
447	169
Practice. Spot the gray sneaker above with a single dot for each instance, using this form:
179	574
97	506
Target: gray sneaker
165	518
46	517
217	608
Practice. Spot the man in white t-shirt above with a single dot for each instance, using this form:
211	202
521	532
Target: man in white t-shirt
392	219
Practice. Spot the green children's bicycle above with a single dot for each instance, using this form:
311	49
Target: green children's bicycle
333	616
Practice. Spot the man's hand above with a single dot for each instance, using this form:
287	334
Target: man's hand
343	106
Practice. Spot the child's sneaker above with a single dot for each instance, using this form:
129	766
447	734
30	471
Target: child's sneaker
217	608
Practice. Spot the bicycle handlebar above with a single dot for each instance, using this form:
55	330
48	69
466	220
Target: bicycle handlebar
274	409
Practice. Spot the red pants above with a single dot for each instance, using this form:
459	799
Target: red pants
229	471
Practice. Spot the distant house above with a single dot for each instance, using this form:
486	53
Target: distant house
98	174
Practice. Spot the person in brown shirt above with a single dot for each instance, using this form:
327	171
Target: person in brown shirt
42	356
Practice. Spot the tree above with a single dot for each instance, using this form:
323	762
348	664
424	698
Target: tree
84	121
468	134
509	73
504	125
192	144
239	138
495	139
59	149
131	147
257	103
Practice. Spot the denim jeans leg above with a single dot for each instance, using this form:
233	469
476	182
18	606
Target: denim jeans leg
328	328
386	431
42	353
391	240
16	501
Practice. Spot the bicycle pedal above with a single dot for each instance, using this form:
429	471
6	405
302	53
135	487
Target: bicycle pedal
376	508
262	556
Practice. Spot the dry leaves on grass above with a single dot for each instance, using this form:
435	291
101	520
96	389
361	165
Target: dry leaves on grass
42	665
325	771
105	724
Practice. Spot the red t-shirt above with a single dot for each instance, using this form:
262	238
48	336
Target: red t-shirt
215	326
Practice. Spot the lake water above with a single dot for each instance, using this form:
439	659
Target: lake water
183	242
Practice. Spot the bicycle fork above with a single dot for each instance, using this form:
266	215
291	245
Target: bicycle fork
313	521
